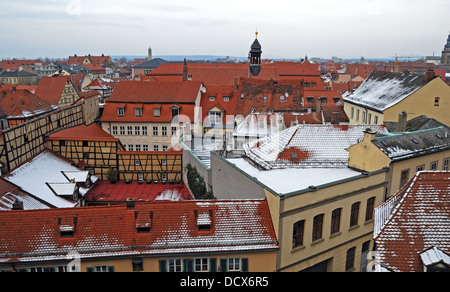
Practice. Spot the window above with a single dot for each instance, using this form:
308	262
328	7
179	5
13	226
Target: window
164	162
323	100
404	177
336	220
376	120
85	143
364	119
122	130
164	131
310	100
165	148
140	176
156	148
420	168
137	162
121	111
370	208
155	131
137	265
226	98
201	265
145	148
114	130
131	147
156	112
138	148
212	98
62	143
130	130
137	130
282	98
175	265
175	112
297	236
215	118
265	97
436	101
364	254
101	269
164	177
144	130
174	131
353	113
357	115
354	214
350	260
434	165
317	227
445	167
234	265
370	119
138	112
336	100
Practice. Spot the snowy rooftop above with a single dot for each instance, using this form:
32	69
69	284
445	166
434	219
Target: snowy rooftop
382	90
284	181
310	146
37	175
414	220
35	236
410	144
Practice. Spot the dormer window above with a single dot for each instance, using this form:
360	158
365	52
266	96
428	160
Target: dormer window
156	112
121	111
138	112
204	220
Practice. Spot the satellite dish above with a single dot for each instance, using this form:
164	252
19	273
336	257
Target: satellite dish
203	89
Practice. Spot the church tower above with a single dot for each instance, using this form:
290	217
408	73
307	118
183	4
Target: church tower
255	58
150	57
445	61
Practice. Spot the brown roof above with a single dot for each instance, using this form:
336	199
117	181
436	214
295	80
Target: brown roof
52	88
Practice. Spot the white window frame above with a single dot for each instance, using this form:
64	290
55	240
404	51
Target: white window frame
201	265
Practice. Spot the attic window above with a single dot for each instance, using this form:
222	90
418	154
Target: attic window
203	220
436	101
294	155
212	98
282	98
415	141
138	112
121	111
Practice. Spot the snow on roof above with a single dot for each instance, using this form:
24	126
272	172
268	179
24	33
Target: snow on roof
238	225
313	146
34	175
414	220
288	180
434	256
382	90
260	125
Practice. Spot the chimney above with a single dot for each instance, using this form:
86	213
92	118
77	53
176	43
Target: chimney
429	75
369	135
402	119
17	205
236	83
318	105
185	70
130	204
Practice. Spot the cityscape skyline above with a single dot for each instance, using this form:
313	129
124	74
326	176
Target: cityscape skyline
290	29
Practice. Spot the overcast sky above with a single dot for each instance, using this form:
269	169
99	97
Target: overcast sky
287	28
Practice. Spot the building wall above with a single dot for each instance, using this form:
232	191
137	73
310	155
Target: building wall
231	183
359	115
422	102
149	140
396	168
257	262
68	96
332	247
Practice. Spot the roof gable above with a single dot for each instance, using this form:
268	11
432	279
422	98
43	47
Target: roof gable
382	90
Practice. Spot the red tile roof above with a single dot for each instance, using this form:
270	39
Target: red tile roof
414	220
15	64
52	88
236	226
110	113
104	191
156	92
22	104
83	132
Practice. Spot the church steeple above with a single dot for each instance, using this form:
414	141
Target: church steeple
255	57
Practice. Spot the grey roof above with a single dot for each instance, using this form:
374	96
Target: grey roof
16	74
382	90
152	64
419	123
412	144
